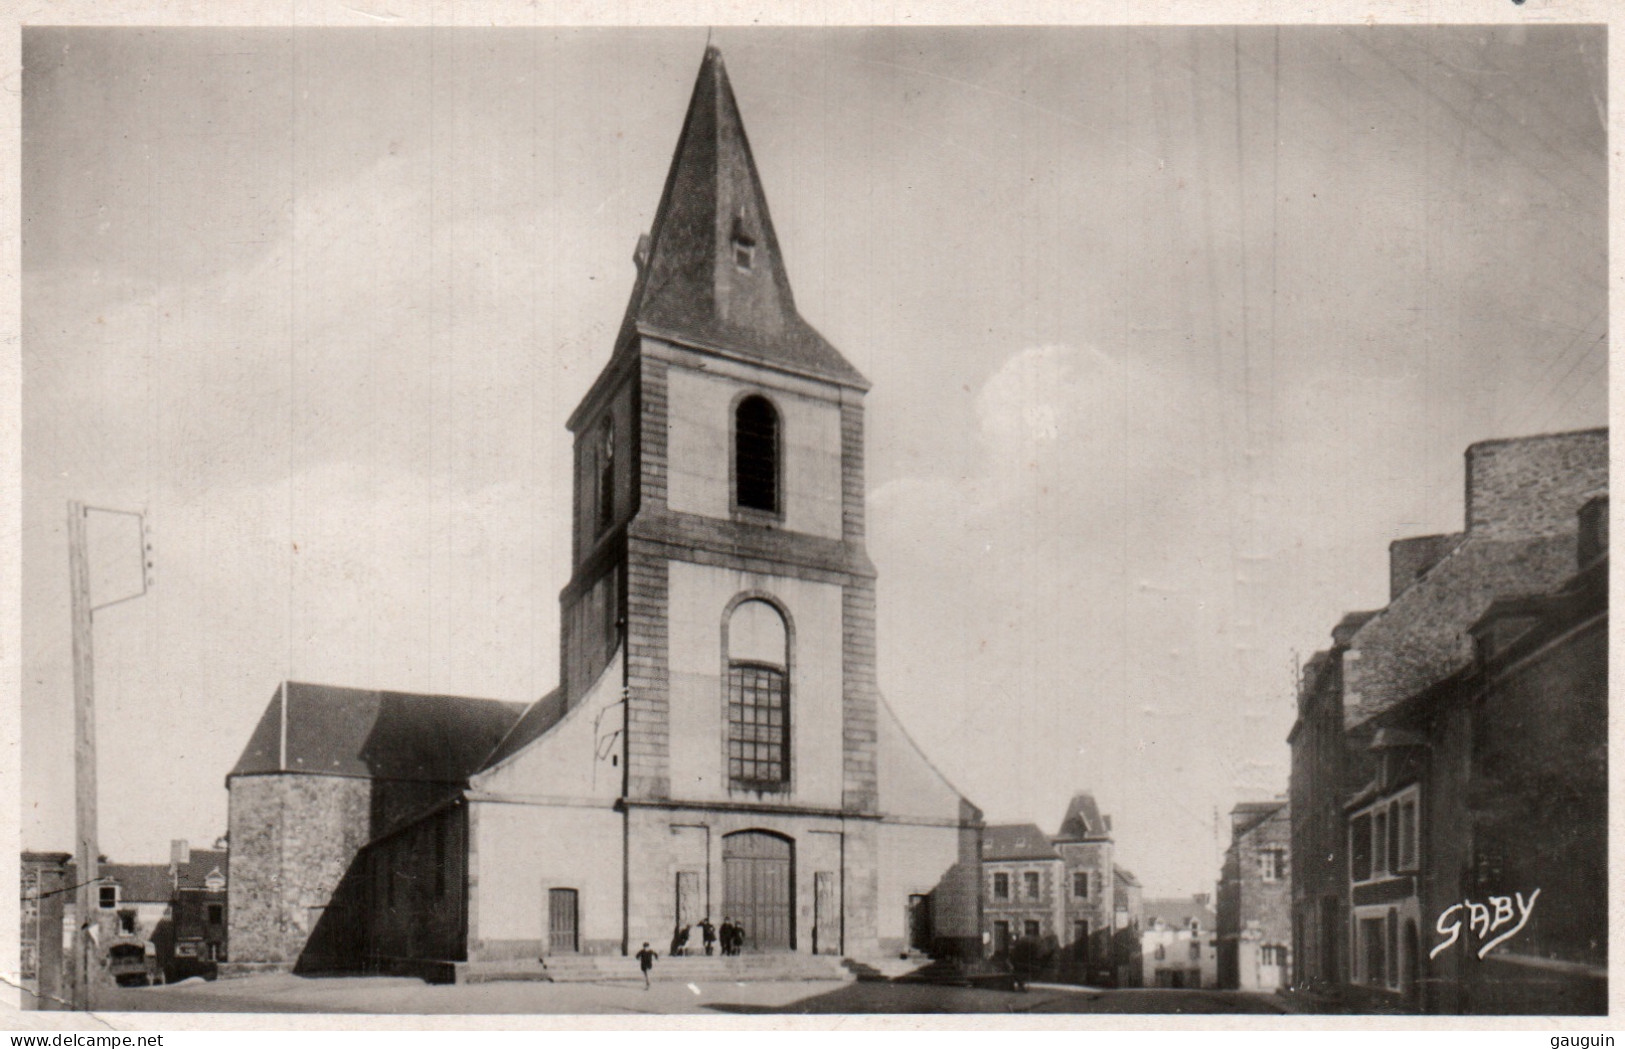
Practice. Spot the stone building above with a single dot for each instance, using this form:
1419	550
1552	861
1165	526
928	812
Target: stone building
717	745
1449	756
1255	899
1064	889
1021	886
1179	944
45	936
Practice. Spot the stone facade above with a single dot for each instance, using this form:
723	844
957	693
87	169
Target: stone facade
45	940
1179	943
1066	890
1255	899
718	740
1427	739
293	838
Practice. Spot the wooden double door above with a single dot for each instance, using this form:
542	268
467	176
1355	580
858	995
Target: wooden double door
758	889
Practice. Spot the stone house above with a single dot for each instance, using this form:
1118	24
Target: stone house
1494	782
1179	944
1064	886
1021	886
717	745
198	909
1447	752
1255	899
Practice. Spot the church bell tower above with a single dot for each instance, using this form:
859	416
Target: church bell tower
719	530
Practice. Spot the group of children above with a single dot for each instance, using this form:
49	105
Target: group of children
731	934
688	939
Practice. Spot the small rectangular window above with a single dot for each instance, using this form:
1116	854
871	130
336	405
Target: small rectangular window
1379	842
107	896
1029	880
1030	930
1407	835
1196	950
1001	886
217	913
1080	884
1360	848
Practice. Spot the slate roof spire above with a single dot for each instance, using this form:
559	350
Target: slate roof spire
710	274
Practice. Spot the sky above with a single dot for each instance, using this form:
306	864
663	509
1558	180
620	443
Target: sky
1171	332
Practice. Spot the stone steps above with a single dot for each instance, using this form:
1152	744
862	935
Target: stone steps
607	968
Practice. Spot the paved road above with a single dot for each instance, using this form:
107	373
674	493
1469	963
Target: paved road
394	995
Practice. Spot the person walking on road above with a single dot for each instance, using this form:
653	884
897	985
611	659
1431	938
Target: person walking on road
646	961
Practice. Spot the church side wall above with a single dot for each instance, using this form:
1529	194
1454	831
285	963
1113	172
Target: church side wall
929	842
410	886
521	852
544	819
935	861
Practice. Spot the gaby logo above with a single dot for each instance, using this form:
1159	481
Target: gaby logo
1484	920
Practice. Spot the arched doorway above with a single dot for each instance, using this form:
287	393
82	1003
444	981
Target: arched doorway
758	890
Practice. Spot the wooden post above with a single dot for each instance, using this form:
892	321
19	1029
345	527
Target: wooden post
84	759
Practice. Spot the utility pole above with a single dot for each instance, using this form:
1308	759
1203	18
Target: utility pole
87	852
84	755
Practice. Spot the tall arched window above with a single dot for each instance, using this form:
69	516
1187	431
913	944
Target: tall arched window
758	697
756	455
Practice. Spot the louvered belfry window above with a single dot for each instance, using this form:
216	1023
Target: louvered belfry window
756	455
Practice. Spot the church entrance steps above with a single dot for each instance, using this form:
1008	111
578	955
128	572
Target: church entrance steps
611	968
885	967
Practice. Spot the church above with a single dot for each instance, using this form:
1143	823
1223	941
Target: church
717	745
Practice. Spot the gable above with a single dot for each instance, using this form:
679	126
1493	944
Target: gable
563	754
909	785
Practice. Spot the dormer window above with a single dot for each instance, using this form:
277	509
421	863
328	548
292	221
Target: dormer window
756	455
744	246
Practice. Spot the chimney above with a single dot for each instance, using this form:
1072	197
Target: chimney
1410	559
1525	487
180	852
640	255
1200	898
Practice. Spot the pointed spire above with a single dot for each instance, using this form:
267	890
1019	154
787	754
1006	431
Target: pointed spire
711	275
